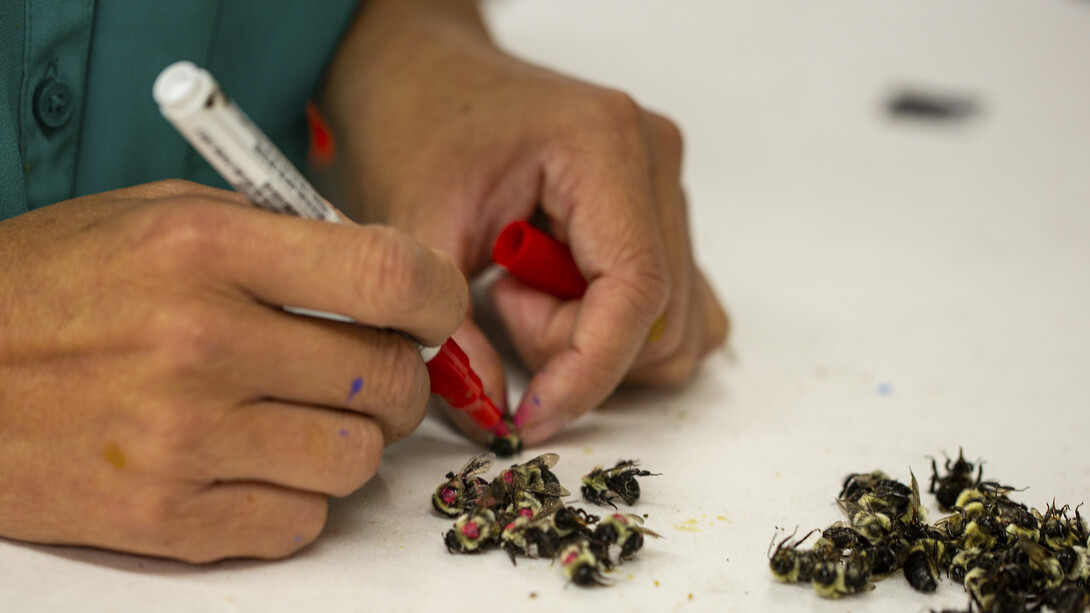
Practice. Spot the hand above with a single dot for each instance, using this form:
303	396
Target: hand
445	137
155	398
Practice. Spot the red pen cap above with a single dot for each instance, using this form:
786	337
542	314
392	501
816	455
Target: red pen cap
455	381
539	260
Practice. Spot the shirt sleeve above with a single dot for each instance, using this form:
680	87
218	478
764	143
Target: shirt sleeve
12	189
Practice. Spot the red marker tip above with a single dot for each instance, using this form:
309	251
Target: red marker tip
455	381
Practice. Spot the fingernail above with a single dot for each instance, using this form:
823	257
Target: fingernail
530	405
541	430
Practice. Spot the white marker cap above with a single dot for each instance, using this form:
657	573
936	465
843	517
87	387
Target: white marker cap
182	88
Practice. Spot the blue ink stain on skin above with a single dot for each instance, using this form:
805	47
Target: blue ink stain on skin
298	539
357	385
885	389
344	432
536	401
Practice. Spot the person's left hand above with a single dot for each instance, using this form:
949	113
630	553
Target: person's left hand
442	135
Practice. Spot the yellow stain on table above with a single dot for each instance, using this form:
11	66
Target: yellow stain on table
113	455
689	525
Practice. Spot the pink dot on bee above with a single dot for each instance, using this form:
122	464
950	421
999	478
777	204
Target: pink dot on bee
568	559
449	495
510	526
526	512
508	477
470	529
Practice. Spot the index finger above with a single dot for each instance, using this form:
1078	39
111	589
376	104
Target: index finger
375	275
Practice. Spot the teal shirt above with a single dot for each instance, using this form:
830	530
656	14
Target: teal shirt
76	112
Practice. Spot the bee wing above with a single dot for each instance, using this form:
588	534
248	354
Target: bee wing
623	465
548	509
477	465
554	490
848	508
546	460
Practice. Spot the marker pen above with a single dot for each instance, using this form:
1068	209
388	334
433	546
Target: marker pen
539	260
193	102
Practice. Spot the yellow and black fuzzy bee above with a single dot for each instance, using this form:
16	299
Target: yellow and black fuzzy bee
509	444
463	490
473	532
856	484
876	527
531	537
1065	598
581	565
603	486
958	477
1058	530
836	540
924	560
624	530
533	477
791	564
836	578
574	523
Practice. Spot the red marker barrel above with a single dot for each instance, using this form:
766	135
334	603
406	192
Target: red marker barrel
539	260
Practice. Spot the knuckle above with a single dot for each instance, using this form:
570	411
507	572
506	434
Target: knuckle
307	523
389	260
181	234
174	433
620	110
404	388
361	458
669	135
187	338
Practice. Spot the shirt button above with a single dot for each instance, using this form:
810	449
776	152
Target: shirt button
52	104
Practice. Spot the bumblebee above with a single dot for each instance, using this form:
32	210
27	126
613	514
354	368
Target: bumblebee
508	445
836	578
922	564
571	522
473	532
856	484
1058	530
581	565
603	486
789	563
533	477
876	527
532	537
1065	598
958	477
838	538
463	490
624	530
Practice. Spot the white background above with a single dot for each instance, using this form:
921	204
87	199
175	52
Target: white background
898	288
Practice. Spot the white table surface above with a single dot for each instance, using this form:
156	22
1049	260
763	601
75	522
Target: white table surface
898	288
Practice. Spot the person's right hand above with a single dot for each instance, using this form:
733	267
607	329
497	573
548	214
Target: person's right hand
155	398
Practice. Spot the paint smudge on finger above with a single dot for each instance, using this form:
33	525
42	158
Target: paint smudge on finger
657	329
113	455
357	385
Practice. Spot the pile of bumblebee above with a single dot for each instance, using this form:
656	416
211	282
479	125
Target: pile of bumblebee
521	512
1007	556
